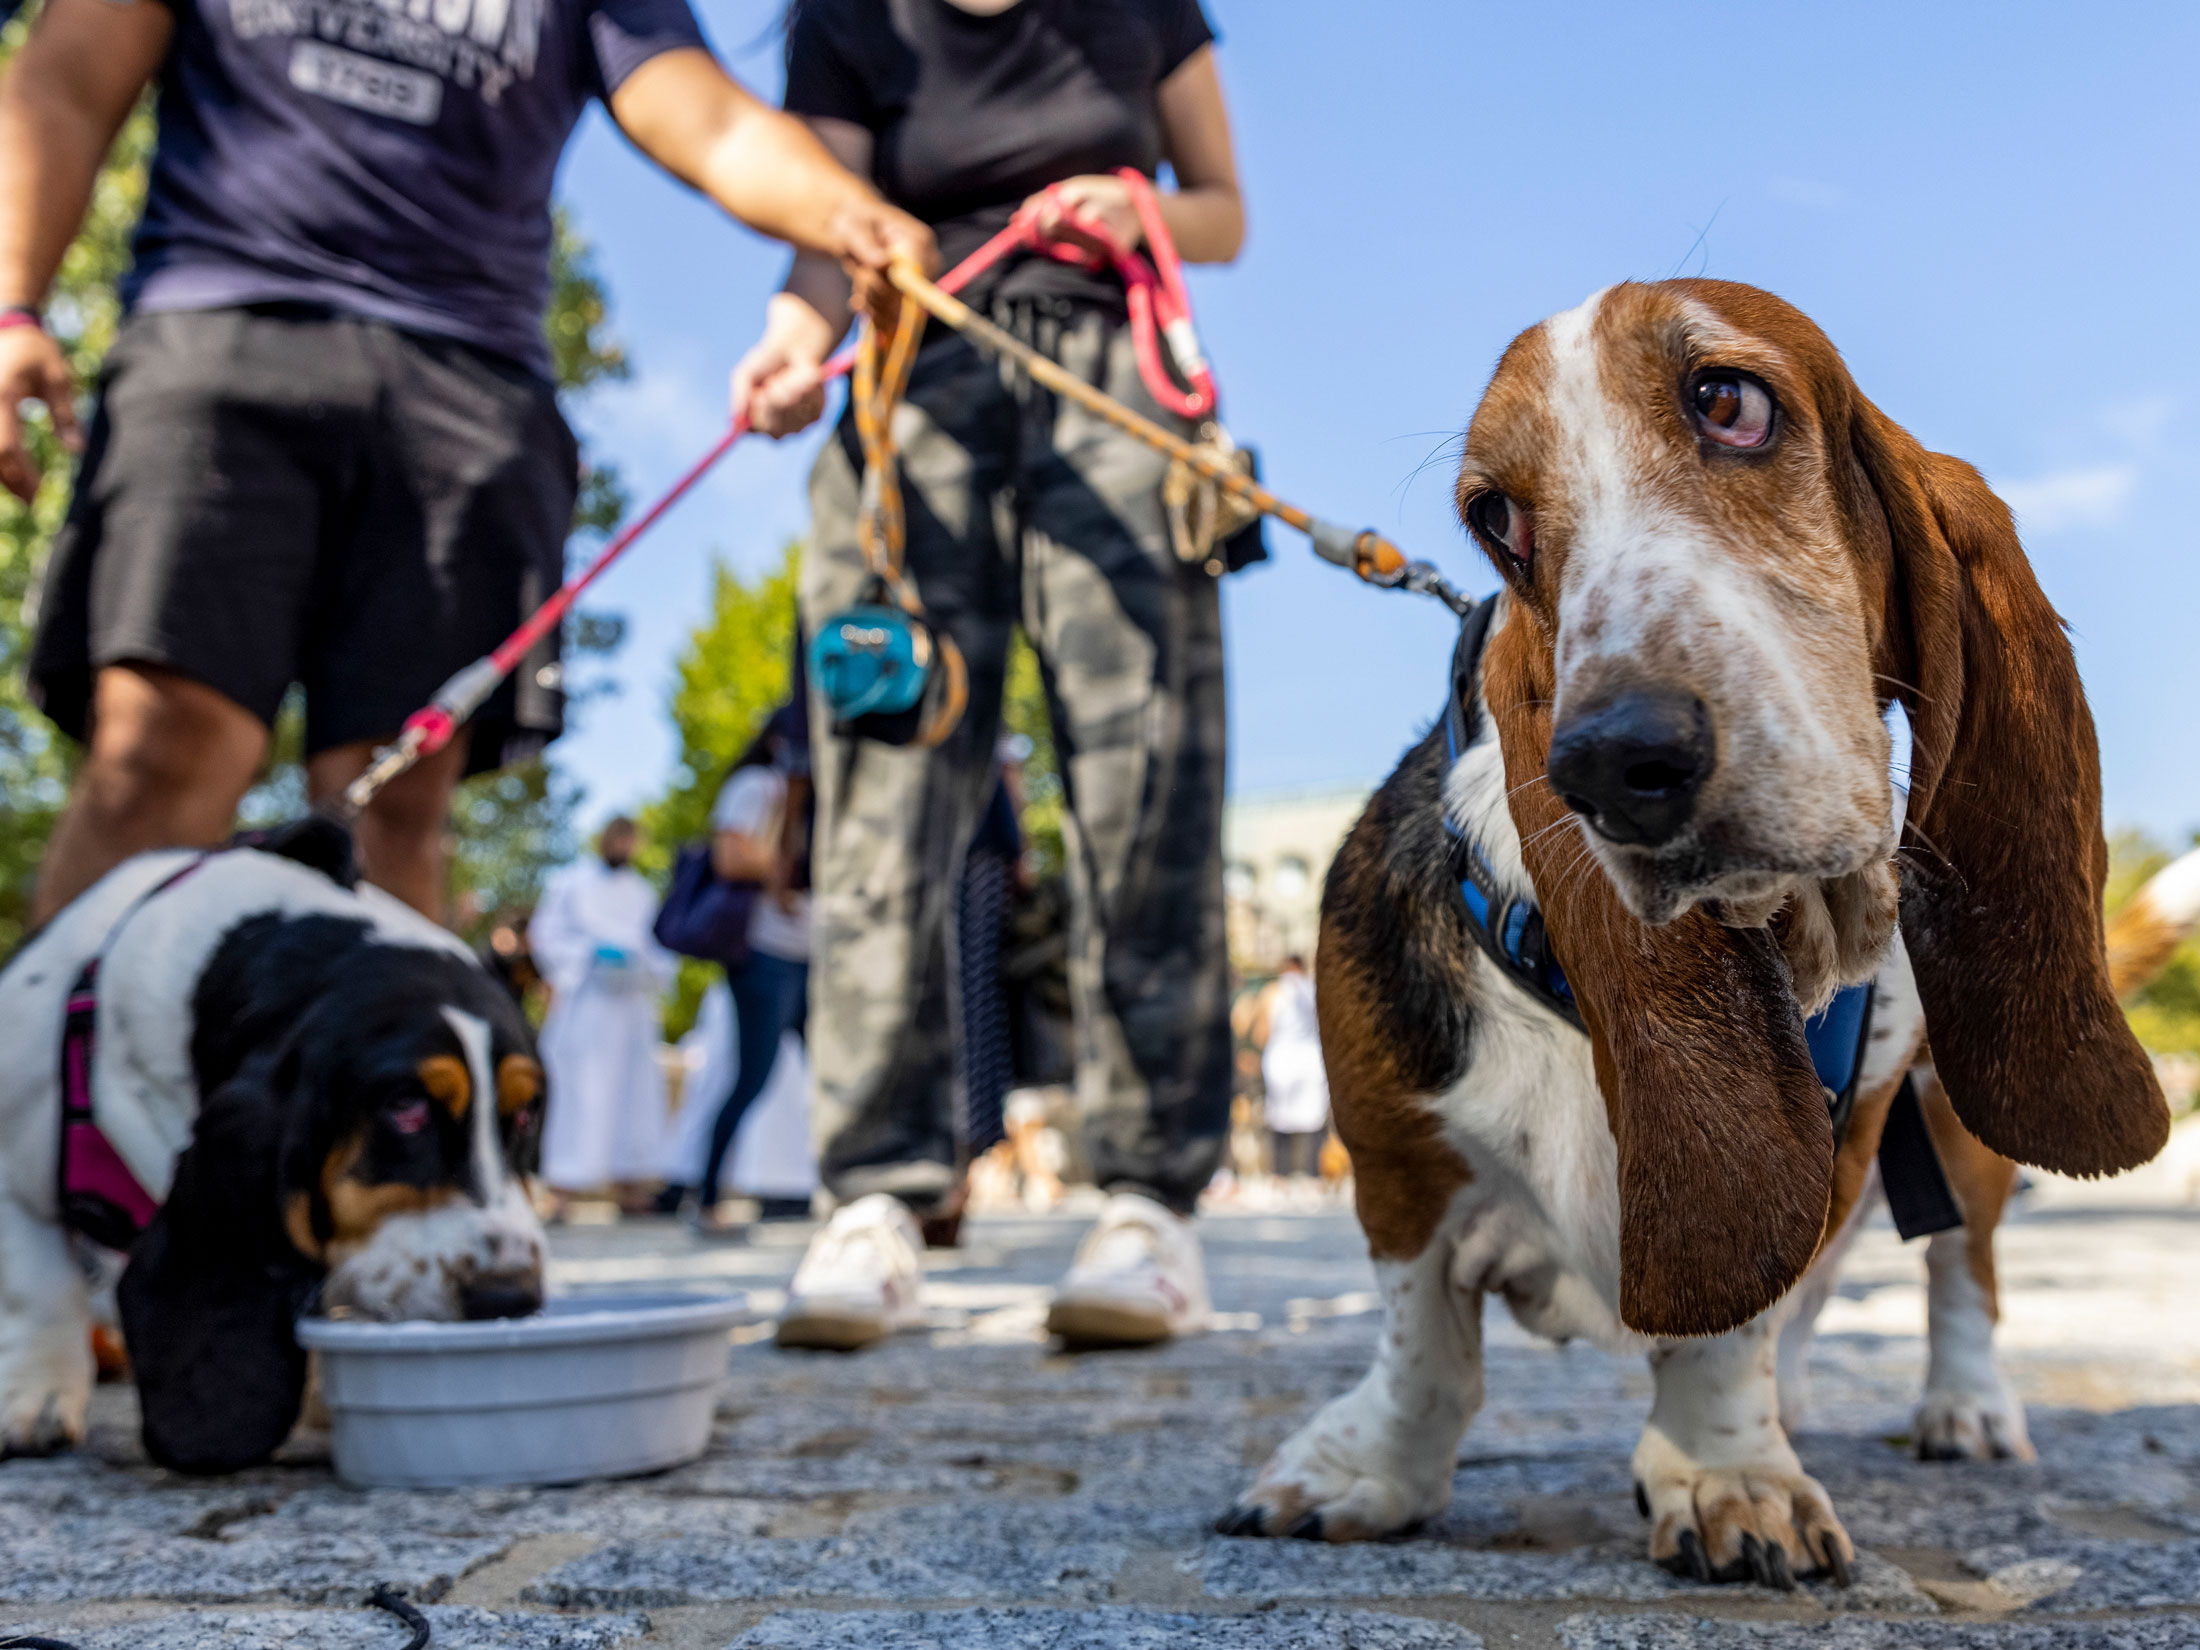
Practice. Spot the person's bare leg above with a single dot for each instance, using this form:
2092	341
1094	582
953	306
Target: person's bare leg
400	837
168	760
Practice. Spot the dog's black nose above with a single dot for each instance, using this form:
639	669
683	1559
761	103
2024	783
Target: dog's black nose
500	1297
1632	766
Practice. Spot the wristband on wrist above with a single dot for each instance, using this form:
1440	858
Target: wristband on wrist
21	315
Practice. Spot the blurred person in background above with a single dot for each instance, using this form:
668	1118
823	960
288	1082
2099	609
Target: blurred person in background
1292	1074
327	450
773	1164
506	956
591	939
759	835
1022	510
992	872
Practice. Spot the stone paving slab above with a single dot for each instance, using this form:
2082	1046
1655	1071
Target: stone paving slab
2064	1575
1416	1570
347	1630
1100	1630
1681	1633
970	1486
612	1512
311	1569
630	1574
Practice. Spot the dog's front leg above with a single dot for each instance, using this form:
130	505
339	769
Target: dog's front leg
1715	1473
45	1335
1381	1457
1969	1412
1807	1300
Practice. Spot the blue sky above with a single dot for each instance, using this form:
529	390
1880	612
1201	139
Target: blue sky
1994	213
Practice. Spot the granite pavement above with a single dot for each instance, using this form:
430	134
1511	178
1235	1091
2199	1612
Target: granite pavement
973	1488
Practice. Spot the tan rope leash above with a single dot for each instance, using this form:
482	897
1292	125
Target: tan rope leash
1367	553
875	388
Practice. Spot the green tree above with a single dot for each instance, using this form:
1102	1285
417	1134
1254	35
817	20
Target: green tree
1024	710
2165	1013
733	672
508	828
35	764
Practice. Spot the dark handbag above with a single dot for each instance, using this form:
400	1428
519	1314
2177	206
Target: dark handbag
705	916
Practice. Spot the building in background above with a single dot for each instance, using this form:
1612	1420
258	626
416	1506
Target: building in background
1276	848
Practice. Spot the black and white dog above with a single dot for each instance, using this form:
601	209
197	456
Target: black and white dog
259	1079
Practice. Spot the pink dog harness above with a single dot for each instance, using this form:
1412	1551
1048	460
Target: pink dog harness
100	1197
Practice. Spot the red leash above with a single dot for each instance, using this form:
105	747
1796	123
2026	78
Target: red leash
1160	305
1160	311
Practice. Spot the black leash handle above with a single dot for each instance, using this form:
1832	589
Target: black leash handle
386	1597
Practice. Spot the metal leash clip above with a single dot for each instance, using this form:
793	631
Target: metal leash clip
1423	579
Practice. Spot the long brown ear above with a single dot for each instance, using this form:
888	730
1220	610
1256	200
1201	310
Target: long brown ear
1725	1151
2003	857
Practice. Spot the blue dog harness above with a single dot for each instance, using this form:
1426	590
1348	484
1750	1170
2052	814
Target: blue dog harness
1510	931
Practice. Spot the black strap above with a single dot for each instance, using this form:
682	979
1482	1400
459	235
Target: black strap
1909	1168
1461	723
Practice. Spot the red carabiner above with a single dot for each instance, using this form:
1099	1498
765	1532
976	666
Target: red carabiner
1159	305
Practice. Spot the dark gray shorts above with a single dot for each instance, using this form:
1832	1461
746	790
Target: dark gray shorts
277	496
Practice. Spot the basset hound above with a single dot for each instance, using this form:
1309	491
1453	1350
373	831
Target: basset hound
1668	787
268	1086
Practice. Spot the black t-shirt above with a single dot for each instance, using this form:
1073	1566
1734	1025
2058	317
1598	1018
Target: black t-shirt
973	114
385	159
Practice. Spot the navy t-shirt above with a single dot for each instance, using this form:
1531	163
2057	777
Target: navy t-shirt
972	114
386	158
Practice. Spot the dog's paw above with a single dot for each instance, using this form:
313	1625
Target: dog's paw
1339	1479
1971	1426
1766	1525
40	1420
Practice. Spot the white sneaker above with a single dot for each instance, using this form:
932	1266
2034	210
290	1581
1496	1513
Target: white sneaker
1138	1278
860	1281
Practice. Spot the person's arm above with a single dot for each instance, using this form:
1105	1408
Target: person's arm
777	383
561	950
739	857
794	842
743	848
659	966
1263	1012
764	167
1205	213
63	99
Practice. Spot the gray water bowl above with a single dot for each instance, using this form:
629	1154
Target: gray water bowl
594	1386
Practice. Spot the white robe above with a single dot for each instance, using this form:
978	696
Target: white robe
1291	1063
772	1154
606	1113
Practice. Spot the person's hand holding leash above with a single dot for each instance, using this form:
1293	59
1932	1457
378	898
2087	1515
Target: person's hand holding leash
873	234
1099	197
779	385
32	368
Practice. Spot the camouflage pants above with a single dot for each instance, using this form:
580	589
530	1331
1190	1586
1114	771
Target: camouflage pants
1026	511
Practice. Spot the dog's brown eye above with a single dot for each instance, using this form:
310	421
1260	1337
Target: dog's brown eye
410	1118
1732	410
1504	526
